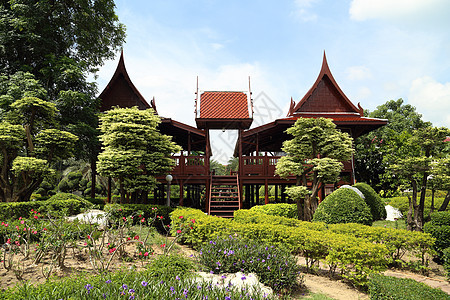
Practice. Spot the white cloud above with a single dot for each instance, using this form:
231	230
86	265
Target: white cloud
358	73
303	11
399	10
432	100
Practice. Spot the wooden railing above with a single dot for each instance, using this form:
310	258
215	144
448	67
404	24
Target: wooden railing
259	165
265	165
189	165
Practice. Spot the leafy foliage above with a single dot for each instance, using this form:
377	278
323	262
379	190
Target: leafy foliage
371	149
426	146
56	41
343	206
313	137
373	200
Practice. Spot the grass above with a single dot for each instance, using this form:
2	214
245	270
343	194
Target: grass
400	224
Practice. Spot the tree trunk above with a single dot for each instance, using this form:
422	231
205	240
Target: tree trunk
93	176
413	208
445	203
421	207
300	202
122	191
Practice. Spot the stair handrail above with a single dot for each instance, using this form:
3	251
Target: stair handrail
210	194
239	191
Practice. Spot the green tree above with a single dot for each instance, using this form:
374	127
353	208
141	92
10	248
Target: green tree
134	151
217	168
315	154
370	166
29	145
441	174
58	41
415	165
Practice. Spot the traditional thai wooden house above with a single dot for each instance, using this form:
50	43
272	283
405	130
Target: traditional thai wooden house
258	149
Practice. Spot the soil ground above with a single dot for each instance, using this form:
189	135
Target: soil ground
320	283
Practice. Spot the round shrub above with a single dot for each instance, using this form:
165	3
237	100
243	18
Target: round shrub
373	200
343	206
279	209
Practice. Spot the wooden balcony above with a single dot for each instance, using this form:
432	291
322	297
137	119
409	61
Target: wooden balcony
189	165
259	165
265	165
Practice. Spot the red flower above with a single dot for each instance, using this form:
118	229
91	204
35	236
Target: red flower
193	220
146	254
163	245
143	220
178	231
128	238
136	237
180	217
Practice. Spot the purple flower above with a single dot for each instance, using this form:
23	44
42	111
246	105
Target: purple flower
227	298
131	297
108	281
124	286
104	295
131	291
177	278
144	283
243	277
223	276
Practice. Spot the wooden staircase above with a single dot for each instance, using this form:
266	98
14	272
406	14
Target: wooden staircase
224	196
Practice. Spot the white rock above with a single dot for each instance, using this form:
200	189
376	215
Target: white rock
91	216
392	213
238	280
354	189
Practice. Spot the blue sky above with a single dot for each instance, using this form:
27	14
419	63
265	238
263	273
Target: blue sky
377	51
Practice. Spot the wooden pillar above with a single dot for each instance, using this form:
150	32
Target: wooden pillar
283	195
257	194
266	192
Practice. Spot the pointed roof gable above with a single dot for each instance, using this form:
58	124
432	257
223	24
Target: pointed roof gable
121	92
325	96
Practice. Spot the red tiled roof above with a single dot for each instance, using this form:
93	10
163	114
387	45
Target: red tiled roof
223	105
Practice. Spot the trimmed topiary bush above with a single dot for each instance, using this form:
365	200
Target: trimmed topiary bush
373	200
343	206
386	287
279	209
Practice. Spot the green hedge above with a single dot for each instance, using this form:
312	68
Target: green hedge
343	206
397	241
356	257
386	287
279	209
147	211
373	200
439	228
15	210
